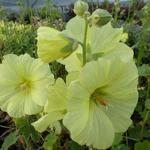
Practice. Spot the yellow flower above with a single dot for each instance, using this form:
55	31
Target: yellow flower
101	101
24	85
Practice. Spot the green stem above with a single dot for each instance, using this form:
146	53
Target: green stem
140	56
85	42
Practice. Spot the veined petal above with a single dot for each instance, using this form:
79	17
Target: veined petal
104	38
98	132
75	28
18	109
120	49
91	121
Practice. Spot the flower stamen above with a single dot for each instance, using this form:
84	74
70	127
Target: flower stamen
25	86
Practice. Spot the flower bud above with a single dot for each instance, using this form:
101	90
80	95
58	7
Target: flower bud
53	44
101	17
80	7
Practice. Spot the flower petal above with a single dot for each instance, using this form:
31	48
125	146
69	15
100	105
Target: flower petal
93	126
57	99
102	39
72	62
19	106
75	28
47	120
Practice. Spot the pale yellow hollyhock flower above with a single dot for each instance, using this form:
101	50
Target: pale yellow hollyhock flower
24	85
53	44
101	101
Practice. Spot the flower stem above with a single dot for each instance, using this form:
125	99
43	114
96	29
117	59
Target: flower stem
85	42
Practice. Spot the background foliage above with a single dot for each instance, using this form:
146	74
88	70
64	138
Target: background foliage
18	35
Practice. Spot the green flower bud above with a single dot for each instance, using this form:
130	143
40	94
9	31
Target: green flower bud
80	7
101	17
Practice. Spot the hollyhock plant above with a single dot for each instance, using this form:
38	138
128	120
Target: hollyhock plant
101	84
101	101
97	97
24	85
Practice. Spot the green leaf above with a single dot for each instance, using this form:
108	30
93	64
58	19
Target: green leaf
145	145
26	129
144	70
74	146
135	133
10	140
21	122
50	141
144	114
123	147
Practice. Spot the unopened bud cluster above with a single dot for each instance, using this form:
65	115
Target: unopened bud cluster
99	17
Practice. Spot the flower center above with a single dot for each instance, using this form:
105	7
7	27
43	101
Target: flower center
97	97
25	86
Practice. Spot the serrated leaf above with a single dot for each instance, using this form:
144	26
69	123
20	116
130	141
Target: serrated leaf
10	140
145	145
50	141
